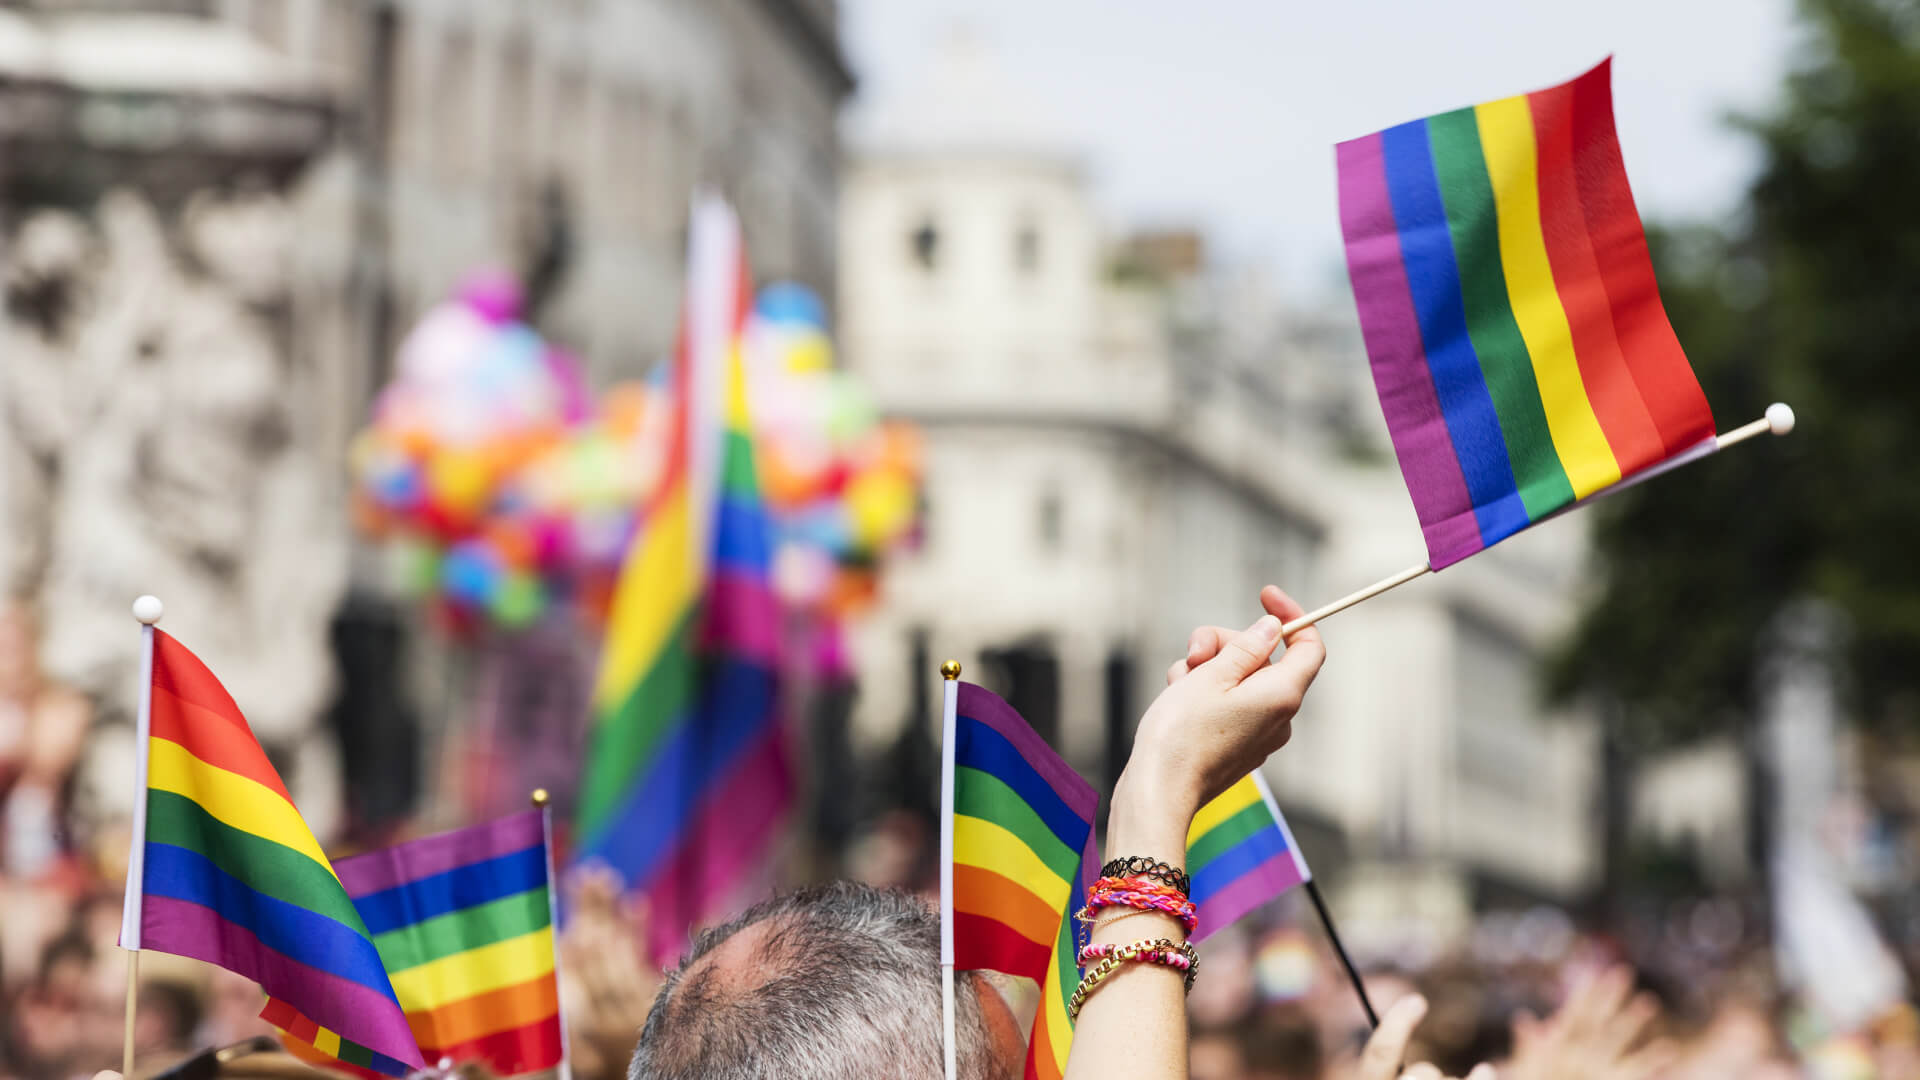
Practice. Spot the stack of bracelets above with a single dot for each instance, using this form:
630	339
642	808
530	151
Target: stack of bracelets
1144	886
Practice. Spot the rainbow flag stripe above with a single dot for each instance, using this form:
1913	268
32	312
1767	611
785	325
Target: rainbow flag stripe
464	925
232	875
1507	299
1022	838
1240	855
688	774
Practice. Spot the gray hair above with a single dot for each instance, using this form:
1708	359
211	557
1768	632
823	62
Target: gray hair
843	984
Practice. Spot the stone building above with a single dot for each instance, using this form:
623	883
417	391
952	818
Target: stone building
1119	448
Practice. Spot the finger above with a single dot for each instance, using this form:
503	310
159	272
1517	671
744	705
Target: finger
1205	643
1650	1060
1423	1071
1176	671
1625	1029
1246	652
1603	1001
1388	1046
1482	1071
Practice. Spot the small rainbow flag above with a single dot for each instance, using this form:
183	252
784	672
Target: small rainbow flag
1020	851
688	777
1240	854
226	871
464	924
1507	299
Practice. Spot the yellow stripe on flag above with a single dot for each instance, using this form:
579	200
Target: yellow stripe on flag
1059	1028
232	799
1235	799
327	1042
656	588
1507	143
981	843
476	971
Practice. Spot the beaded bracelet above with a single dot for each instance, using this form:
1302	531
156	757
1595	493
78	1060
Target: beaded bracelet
1163	951
1154	951
1141	866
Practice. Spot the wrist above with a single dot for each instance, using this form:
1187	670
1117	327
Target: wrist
1149	817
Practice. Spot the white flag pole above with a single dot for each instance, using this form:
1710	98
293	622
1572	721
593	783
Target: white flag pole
540	800
147	610
1778	421
950	672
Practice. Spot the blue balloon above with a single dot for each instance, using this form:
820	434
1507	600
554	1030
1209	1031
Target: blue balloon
790	302
470	574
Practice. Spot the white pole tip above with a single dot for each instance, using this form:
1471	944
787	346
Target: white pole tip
148	609
1780	418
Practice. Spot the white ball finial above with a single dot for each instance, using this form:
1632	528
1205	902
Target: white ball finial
148	609
1779	418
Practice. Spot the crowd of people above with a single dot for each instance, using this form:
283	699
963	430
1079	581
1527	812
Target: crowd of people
1534	996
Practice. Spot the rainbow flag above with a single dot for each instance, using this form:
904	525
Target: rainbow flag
1522	355
1020	855
687	775
225	871
1240	854
464	925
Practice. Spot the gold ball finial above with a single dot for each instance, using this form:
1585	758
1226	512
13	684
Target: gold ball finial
950	670
540	796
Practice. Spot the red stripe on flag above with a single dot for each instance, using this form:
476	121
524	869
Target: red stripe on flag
983	943
191	708
519	1050
1667	383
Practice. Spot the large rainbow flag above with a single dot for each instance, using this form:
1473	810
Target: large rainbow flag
1507	299
226	871
1240	854
464	925
687	774
1022	853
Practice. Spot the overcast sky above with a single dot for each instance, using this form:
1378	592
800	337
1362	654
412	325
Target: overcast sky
1224	113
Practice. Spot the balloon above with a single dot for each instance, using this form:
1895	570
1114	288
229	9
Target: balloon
518	600
881	505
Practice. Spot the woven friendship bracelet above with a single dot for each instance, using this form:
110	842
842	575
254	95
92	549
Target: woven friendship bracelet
1141	894
1159	951
1141	866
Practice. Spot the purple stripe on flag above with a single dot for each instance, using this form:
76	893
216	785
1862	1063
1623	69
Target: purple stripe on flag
1265	882
715	854
357	1012
742	617
377	871
1391	330
982	705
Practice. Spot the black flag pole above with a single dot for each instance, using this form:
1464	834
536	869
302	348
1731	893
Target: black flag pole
1353	973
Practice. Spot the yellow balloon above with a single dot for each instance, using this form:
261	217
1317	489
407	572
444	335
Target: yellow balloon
880	505
458	481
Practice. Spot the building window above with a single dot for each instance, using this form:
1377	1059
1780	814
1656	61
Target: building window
1052	524
1026	248
924	245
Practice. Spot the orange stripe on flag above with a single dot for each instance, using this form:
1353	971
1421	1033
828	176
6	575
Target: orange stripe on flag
484	1014
982	892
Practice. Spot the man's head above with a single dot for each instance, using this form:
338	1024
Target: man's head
840	982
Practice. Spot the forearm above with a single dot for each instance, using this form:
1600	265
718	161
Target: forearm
1136	1020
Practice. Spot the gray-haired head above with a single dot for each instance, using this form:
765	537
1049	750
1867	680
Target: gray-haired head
838	982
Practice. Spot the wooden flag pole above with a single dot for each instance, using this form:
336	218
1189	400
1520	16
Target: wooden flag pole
147	610
1779	420
1340	950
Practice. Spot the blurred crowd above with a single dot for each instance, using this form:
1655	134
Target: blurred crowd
1273	1003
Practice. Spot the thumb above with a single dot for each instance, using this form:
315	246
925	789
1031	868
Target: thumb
1246	652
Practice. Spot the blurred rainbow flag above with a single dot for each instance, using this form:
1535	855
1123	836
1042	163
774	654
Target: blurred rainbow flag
1507	300
687	775
1018	834
464	925
1240	854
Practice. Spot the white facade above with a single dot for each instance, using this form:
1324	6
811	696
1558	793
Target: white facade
1097	485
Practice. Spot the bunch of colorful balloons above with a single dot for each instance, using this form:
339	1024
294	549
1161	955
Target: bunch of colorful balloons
842	486
502	490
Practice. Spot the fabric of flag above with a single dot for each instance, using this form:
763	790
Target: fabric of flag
233	876
1507	300
1240	854
687	775
1022	839
464	925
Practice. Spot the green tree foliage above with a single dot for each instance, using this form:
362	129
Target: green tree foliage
1813	299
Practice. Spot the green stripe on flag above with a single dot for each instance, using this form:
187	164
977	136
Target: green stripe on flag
265	866
1245	822
469	928
985	796
1472	218
626	738
738	476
